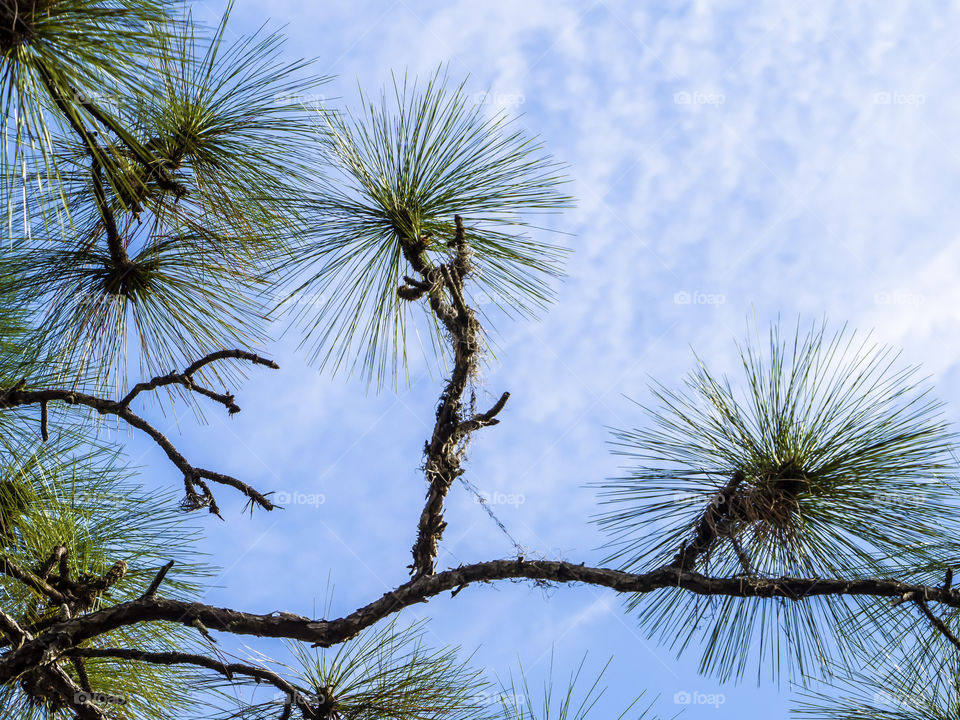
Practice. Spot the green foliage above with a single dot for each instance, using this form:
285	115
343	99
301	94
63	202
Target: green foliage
847	472
398	171
174	213
60	59
892	687
231	122
81	498
180	303
385	673
521	703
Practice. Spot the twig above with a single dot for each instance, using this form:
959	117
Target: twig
228	670
708	528
44	421
155	585
18	396
937	622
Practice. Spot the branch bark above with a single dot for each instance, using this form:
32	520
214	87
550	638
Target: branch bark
66	635
194	477
444	286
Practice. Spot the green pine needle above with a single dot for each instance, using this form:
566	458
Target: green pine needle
83	499
399	170
385	673
891	687
519	702
848	472
70	52
180	303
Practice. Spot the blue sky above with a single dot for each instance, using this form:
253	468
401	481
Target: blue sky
730	161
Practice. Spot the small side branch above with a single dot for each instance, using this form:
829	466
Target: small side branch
151	591
937	622
186	378
194	477
709	527
486	419
229	670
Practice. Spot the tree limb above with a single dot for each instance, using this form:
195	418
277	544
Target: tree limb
67	634
445	449
193	476
228	670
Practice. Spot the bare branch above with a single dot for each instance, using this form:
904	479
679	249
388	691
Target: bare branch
155	585
38	584
228	670
186	377
451	432
710	526
937	622
193	476
67	634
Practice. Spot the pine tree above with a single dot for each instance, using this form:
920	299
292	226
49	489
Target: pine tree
169	197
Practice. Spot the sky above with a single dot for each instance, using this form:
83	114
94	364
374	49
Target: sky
732	163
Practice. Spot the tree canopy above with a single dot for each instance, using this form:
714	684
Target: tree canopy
171	201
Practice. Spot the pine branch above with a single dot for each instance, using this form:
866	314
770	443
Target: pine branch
62	637
445	449
194	477
228	670
939	624
710	527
